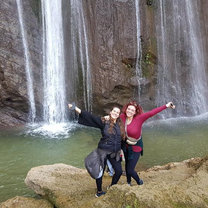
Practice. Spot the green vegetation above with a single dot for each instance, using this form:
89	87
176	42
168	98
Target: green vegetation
148	63
148	58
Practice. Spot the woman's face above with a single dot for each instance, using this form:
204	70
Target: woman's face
115	113
130	111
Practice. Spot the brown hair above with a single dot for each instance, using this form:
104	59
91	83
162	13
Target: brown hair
139	109
111	124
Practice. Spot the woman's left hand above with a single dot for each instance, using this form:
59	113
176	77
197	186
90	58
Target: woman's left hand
170	105
107	118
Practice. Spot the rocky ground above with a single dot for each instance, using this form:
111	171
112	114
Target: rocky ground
183	184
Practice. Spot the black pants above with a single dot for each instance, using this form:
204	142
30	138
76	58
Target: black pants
118	172
130	165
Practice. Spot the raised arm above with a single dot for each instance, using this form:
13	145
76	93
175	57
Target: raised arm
155	111
87	119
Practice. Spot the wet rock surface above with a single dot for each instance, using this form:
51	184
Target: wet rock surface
14	101
113	32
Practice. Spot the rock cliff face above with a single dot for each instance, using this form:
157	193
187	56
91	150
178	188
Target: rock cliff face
182	184
112	38
14	104
113	41
111	28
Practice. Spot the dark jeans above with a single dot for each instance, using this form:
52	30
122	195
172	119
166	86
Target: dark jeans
130	165
118	172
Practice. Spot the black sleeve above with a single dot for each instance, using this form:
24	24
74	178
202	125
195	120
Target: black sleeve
88	119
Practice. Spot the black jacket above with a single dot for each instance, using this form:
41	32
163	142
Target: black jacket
95	163
110	142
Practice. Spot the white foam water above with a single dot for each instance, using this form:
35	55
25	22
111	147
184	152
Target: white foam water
51	131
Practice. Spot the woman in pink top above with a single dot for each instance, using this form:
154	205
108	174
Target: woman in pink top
133	118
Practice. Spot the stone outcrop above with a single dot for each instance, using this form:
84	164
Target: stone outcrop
182	184
26	202
62	185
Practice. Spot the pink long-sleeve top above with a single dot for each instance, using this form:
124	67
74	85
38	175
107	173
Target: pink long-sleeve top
134	129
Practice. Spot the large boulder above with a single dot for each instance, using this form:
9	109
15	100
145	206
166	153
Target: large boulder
63	185
183	184
25	202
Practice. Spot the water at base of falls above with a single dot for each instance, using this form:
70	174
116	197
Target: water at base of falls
165	141
179	121
52	130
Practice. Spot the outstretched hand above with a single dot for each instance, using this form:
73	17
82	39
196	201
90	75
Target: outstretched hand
70	106
170	105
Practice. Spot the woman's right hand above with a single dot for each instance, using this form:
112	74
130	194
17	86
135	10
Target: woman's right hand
74	107
70	106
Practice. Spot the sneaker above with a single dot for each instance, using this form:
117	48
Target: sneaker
140	182
108	187
98	194
110	174
124	173
129	183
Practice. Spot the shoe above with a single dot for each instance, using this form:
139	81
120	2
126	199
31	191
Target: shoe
129	183
140	182
108	187
124	173
110	174
98	194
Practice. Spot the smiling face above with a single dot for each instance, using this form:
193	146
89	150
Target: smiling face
130	111
115	113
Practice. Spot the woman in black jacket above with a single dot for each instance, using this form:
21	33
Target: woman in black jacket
112	132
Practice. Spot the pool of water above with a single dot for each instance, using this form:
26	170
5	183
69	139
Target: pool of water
22	149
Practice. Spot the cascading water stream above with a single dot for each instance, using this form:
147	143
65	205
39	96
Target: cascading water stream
139	52
54	85
53	63
29	75
80	51
181	63
198	75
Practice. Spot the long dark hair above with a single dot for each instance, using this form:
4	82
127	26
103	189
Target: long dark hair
139	109
111	124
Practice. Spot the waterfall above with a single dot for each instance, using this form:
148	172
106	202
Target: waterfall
54	103
138	54
181	60
28	69
198	69
80	51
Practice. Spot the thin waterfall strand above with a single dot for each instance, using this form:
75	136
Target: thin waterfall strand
80	49
29	75
139	52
